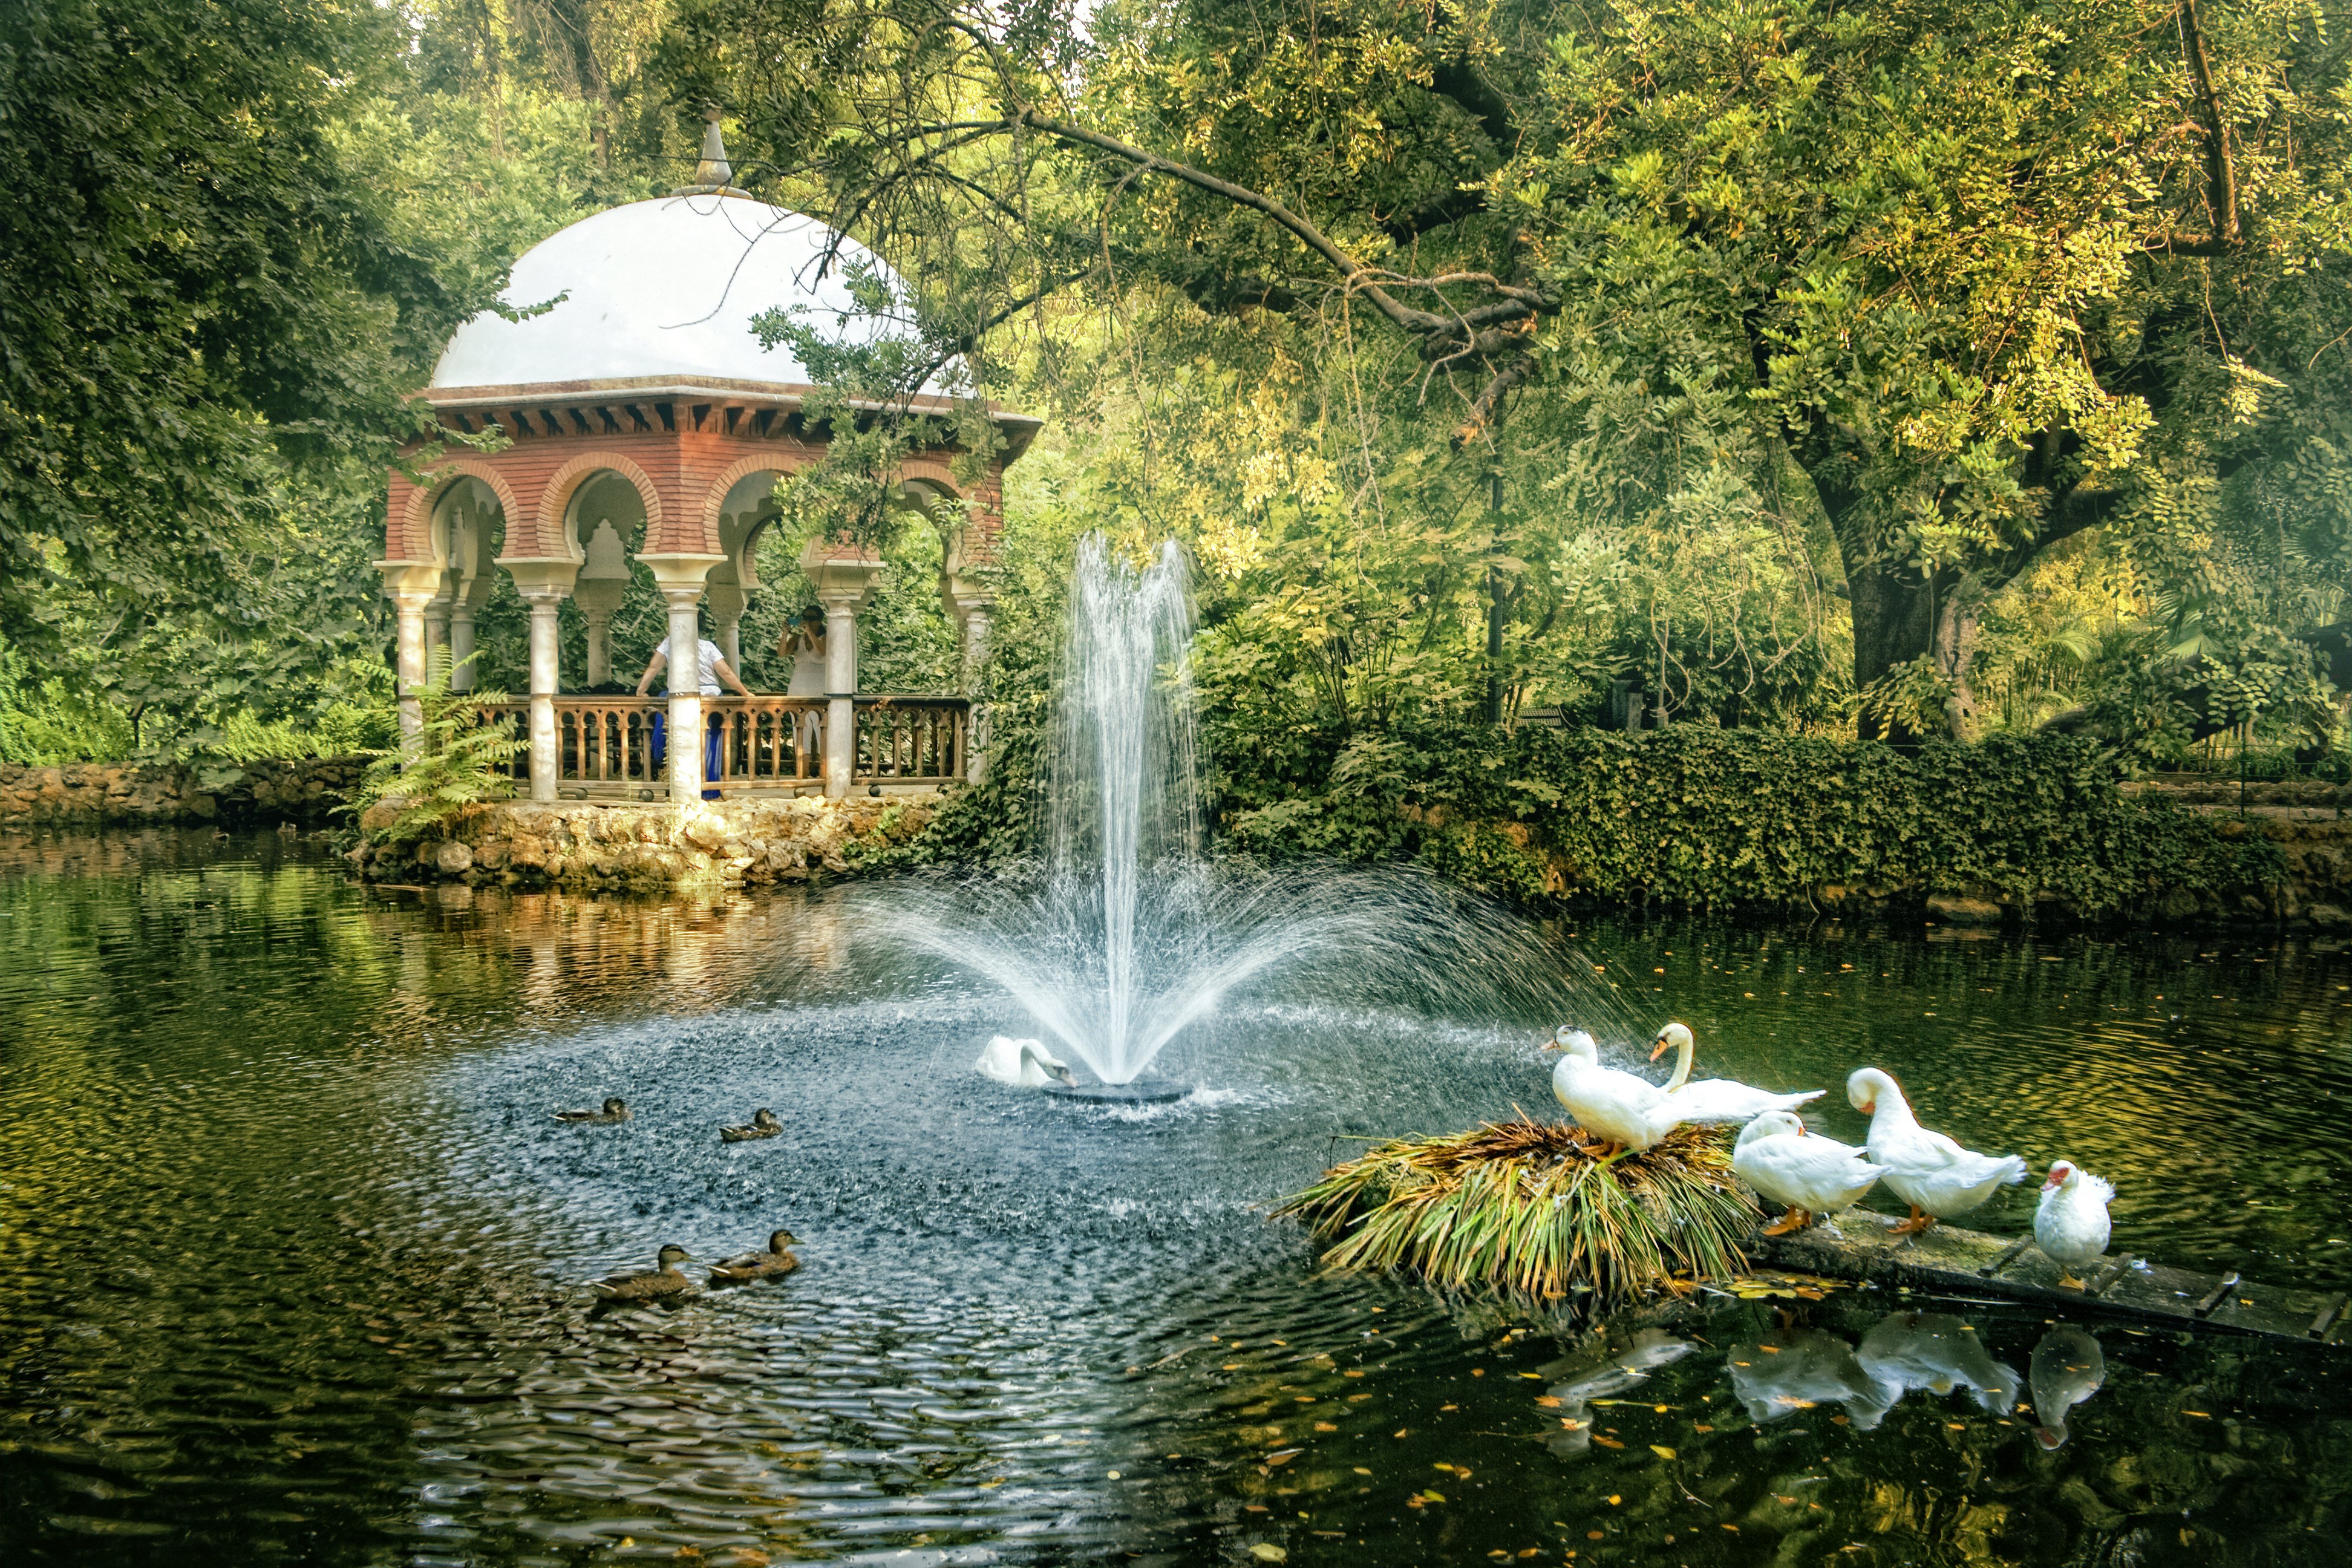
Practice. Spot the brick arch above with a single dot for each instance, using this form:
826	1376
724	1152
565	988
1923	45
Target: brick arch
971	532
416	541
565	482
734	474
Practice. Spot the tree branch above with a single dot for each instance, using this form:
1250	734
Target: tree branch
2220	162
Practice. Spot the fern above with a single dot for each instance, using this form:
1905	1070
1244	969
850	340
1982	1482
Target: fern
464	759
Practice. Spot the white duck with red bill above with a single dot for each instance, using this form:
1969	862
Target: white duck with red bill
2071	1226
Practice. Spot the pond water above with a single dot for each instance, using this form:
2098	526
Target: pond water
296	1258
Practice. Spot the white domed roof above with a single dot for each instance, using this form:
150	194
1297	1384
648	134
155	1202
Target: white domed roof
667	286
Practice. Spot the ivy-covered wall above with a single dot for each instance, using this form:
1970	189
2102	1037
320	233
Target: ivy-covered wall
1717	818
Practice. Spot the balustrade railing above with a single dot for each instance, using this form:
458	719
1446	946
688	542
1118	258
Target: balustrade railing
763	741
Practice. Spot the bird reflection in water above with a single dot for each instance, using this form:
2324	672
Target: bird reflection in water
2067	1369
1621	1371
1796	1369
1938	1352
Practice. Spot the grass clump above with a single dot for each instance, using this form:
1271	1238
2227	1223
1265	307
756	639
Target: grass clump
1530	1207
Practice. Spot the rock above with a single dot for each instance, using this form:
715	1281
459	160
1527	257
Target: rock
1960	910
453	858
2327	917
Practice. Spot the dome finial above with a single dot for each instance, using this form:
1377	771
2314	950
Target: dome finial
713	174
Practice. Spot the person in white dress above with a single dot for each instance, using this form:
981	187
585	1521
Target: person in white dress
804	643
711	670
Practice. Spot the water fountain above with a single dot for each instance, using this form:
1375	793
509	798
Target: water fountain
1126	934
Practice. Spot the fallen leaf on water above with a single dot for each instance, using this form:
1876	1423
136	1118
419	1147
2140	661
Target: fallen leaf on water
1359	1469
1325	1427
1607	1442
1266	1552
1662	1451
1285	1457
2201	1414
1402	1430
1548	1402
1701	1426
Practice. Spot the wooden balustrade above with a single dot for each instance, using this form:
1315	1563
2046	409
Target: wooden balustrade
765	742
911	740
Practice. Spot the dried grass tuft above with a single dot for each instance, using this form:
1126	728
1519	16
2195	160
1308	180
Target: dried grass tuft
1528	1208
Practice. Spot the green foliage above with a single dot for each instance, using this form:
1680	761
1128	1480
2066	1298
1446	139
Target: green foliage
1712	819
1529	1208
462	761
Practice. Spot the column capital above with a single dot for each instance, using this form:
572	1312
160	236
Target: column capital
411	585
680	571
538	577
842	577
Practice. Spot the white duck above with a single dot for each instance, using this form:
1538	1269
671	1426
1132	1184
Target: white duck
1806	1174
2071	1224
1717	1098
1632	1114
1025	1064
1927	1170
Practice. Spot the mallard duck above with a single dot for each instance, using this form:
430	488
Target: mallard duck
1629	1112
1717	1098
615	1110
1806	1174
2071	1223
772	1264
1025	1064
2067	1369
763	1125
1936	1176
663	1282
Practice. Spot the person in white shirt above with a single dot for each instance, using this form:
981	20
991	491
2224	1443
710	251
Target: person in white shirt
804	643
712	669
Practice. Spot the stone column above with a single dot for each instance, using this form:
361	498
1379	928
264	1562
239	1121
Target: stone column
973	610
411	587
544	584
598	598
681	578
844	577
546	679
461	646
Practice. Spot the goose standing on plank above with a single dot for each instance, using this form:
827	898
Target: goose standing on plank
1936	1176
1717	1098
1807	1175
1025	1064
2071	1224
1629	1112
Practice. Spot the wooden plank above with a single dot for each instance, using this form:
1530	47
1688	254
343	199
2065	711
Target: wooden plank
1949	1259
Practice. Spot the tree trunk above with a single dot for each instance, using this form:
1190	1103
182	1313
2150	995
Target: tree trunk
1894	623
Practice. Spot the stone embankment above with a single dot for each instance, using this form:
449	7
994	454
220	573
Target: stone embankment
718	843
108	794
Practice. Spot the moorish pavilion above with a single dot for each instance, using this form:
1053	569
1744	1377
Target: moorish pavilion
649	423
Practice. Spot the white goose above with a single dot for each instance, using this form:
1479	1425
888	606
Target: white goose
1927	1170
1629	1112
1717	1098
2071	1224
1025	1064
1806	1174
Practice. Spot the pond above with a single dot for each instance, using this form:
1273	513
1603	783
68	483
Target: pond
296	1259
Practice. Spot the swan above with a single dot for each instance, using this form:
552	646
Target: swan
1927	1170
2067	1369
1629	1112
1717	1098
1937	1351
1025	1064
2071	1224
1806	1174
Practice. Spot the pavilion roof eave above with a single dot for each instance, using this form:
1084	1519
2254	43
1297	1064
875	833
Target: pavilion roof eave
1020	430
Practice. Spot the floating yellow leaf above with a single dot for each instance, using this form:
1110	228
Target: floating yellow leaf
1266	1551
1548	1402
1662	1451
